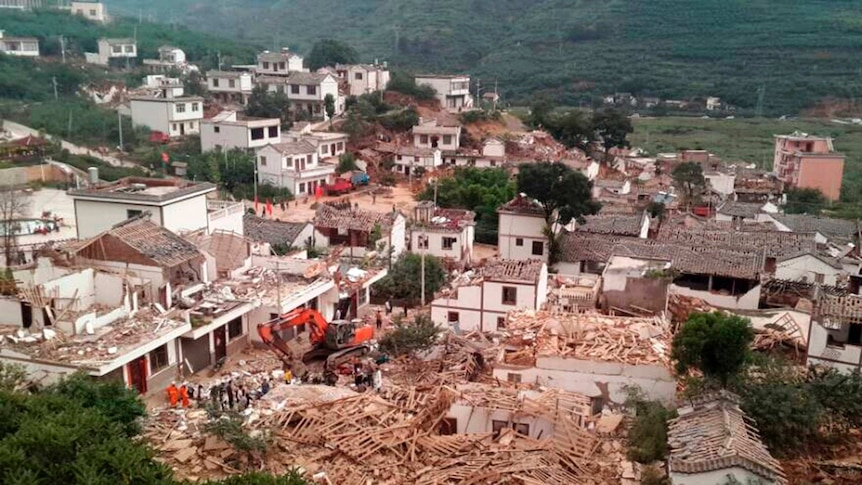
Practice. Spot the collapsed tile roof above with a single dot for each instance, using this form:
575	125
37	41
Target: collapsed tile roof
346	217
687	258
522	204
837	229
748	210
269	231
749	237
152	241
510	270
617	224
714	434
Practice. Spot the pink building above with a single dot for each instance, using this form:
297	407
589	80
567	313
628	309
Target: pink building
809	162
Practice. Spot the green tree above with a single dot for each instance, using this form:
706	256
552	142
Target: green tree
541	106
612	127
12	377
329	107
405	283
194	84
647	437
408	338
563	195
346	163
573	129
329	52
689	180
265	104
805	201
715	343
476	189
656	209
405	84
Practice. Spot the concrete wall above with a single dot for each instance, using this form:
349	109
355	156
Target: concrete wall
512	227
155	115
846	358
719	477
10	309
185	215
721	182
94	217
472	419
435	243
649	293
806	268
466	302
822	173
748	301
33	173
594	378
228	219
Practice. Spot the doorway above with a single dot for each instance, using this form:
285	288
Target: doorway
137	370
220	343
182	129
26	314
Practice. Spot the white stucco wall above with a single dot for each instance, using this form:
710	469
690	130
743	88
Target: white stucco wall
529	228
805	268
748	301
719	477
472	419
589	377
94	217
155	115
185	215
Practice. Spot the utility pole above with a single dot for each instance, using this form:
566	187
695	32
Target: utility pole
63	48
54	81
219	60
140	15
423	241
120	124
478	88
278	284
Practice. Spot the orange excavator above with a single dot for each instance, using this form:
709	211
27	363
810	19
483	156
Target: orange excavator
333	340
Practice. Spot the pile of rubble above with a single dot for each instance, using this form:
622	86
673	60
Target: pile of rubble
337	436
597	337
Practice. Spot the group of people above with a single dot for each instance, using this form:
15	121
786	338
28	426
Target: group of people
225	394
367	375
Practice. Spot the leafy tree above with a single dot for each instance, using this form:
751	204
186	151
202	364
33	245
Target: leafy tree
716	343
689	180
194	84
656	209
563	194
12	376
408	338
647	437
612	127
405	283
265	104
573	129
346	163
541	106
255	478
805	201
329	107
479	190
329	52
405	84
399	121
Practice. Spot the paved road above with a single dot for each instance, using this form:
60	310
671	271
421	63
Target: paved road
20	131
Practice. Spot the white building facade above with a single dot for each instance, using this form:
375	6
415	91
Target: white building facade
453	92
293	165
227	131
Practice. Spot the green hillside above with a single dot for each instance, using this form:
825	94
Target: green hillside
799	51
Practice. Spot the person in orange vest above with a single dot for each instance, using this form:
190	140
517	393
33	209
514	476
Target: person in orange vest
184	395
173	394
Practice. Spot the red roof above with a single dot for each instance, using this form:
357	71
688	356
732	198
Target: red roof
28	141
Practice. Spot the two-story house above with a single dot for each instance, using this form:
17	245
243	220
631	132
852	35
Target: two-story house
329	144
444	233
306	91
19	46
835	333
230	86
279	63
363	78
229	130
809	162
434	135
169	111
453	92
170	58
92	11
360	231
521	230
293	165
177	205
114	53
482	302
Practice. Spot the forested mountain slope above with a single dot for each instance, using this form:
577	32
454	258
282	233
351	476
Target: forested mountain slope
798	52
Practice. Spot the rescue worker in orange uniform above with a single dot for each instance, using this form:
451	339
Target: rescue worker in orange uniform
184	395
173	394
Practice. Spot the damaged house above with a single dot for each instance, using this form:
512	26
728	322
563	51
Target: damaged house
444	233
480	300
360	231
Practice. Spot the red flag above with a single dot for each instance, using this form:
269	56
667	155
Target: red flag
165	157
255	204
268	207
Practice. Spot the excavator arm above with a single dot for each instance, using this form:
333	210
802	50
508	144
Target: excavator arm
269	331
